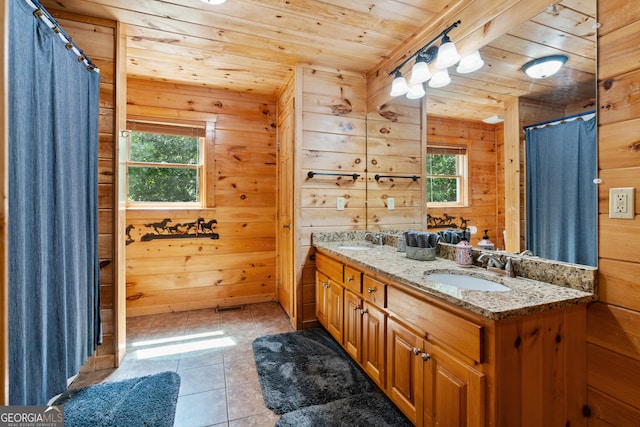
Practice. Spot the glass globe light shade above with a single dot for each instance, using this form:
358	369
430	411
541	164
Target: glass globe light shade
470	63
399	85
447	54
416	91
440	79
420	72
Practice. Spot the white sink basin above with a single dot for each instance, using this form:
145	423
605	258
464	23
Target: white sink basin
355	247
467	282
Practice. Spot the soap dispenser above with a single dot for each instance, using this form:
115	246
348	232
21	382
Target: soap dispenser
485	243
464	252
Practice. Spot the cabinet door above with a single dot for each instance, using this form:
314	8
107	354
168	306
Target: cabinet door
453	391
322	299
334	310
374	343
352	325
404	369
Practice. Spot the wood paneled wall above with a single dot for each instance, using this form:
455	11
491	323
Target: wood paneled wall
395	146
614	322
239	267
97	38
330	138
334	135
486	208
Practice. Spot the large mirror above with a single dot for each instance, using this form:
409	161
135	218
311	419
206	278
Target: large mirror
455	113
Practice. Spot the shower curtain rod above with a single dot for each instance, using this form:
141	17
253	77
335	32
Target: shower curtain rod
560	120
40	12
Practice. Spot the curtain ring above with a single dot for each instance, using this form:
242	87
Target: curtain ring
56	30
69	46
80	58
38	13
90	67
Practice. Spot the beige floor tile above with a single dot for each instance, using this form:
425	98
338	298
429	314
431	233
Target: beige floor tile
204	378
239	371
245	400
201	409
266	419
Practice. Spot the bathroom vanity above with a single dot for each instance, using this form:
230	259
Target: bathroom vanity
450	356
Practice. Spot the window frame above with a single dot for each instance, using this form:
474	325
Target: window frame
201	130
462	176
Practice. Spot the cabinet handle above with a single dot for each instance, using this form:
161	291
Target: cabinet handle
425	356
416	351
350	279
326	285
363	312
356	308
287	226
371	290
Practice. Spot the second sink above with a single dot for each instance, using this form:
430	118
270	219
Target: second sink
467	282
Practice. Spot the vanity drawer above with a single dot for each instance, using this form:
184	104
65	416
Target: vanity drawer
375	292
330	267
353	279
439	324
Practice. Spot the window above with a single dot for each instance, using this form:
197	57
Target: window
165	164
446	176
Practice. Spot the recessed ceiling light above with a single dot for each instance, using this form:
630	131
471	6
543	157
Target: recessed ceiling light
214	1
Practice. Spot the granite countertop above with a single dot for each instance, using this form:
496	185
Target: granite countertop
526	295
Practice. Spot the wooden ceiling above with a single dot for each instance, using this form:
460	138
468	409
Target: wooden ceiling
250	46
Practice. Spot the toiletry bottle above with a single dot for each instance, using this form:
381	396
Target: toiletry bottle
463	252
485	243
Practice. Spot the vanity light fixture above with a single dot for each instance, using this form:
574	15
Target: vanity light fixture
440	79
420	72
416	91
447	54
399	85
441	57
470	63
544	67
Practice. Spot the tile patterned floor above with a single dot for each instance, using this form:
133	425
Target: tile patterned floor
212	353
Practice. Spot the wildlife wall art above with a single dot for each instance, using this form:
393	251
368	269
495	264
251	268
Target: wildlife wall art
165	229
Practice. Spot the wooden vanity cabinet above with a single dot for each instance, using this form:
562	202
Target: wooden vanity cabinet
429	385
374	331
353	325
443	365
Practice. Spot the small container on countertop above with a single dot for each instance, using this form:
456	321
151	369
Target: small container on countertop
464	252
485	243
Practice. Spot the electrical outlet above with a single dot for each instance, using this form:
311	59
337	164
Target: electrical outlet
622	203
340	203
391	203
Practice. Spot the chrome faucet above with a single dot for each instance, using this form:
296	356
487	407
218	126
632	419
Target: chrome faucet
492	261
495	264
526	252
376	238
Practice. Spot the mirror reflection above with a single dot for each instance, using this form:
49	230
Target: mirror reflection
464	126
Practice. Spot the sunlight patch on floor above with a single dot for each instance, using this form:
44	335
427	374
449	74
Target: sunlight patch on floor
190	343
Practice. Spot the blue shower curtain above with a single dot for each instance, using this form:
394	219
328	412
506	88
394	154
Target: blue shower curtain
562	200
54	322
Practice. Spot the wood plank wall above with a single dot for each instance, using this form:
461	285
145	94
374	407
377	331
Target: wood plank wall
486	208
395	147
239	267
614	322
97	38
331	130
330	139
